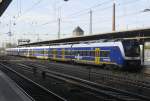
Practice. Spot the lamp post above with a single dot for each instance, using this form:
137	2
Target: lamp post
90	26
59	20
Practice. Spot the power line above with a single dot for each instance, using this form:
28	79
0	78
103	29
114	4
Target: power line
127	3
87	9
29	9
49	22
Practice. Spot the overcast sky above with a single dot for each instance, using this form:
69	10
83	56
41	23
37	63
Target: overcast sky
28	18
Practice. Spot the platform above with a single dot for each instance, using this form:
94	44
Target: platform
10	91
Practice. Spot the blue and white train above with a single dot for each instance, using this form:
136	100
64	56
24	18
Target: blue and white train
123	54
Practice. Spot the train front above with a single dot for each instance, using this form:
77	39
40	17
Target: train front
132	53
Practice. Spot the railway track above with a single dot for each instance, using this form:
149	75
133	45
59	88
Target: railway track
106	91
36	91
109	77
139	84
75	93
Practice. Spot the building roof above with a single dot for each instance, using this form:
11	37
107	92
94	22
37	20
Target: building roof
109	35
3	5
78	29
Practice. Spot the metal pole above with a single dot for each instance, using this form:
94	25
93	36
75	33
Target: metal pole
58	28
142	54
20	7
114	17
10	31
91	20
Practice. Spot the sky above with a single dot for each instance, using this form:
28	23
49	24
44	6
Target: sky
37	20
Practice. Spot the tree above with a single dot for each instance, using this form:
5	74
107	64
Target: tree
10	45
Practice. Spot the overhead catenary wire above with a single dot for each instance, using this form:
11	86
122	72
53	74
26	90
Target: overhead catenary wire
100	19
29	9
86	11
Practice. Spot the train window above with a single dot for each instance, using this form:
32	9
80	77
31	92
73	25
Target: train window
53	51
42	51
131	48
73	52
89	53
81	53
60	52
76	52
85	52
46	52
50	52
93	53
66	52
69	52
104	53
56	52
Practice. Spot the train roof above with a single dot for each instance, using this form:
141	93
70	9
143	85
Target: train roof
134	33
38	47
61	46
105	44
94	43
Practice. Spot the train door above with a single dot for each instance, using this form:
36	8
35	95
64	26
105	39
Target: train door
63	54
97	55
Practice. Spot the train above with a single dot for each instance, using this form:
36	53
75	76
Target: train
119	53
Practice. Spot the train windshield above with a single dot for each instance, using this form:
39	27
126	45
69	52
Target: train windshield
131	48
